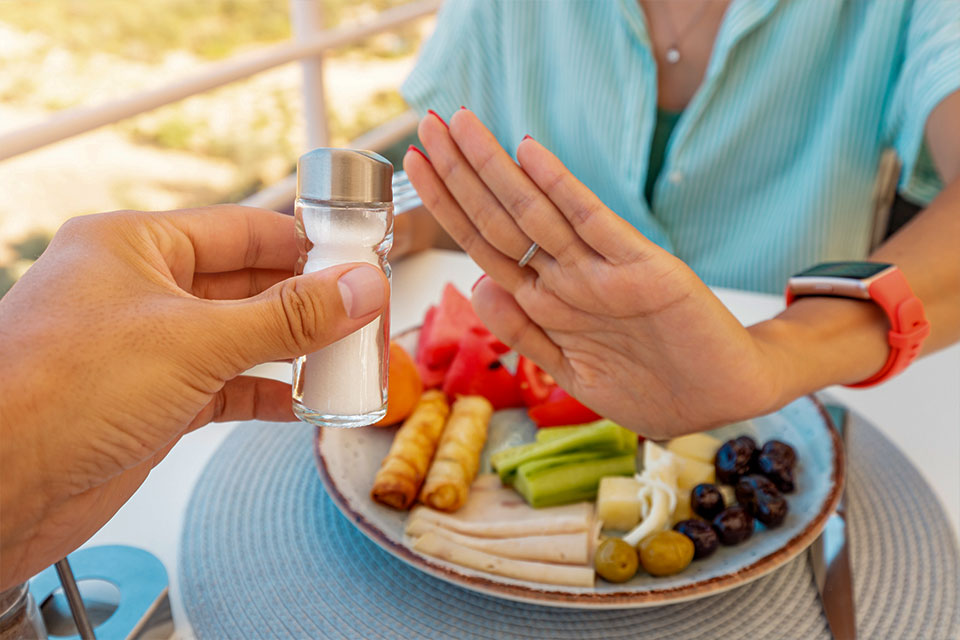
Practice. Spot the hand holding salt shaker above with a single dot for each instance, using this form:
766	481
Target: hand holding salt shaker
344	213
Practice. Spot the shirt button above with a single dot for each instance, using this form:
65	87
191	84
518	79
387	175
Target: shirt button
675	177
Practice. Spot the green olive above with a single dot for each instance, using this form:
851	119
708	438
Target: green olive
615	560
666	553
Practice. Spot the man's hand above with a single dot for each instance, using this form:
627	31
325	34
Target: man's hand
131	330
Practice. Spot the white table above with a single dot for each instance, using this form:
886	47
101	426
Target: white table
919	411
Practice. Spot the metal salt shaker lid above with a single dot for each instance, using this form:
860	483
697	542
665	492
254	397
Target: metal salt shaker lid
344	175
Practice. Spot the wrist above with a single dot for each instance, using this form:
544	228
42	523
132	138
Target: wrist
20	500
821	341
31	469
402	237
786	371
413	231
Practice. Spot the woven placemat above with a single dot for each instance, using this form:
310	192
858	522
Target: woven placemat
265	554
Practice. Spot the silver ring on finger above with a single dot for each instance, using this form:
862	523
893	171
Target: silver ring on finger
528	256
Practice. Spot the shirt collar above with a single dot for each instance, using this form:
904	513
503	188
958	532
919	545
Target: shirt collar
740	18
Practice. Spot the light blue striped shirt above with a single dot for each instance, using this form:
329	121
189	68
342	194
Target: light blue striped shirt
772	165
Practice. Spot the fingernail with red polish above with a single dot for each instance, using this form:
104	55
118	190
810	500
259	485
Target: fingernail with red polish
361	291
463	107
527	137
437	116
477	283
414	147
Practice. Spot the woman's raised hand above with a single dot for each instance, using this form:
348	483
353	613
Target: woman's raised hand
623	325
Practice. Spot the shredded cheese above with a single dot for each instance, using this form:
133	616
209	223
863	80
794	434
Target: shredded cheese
657	494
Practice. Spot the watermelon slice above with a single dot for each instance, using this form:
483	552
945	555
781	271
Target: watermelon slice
492	341
438	342
432	377
476	370
441	333
444	326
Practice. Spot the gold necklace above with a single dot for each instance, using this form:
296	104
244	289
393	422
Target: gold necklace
673	49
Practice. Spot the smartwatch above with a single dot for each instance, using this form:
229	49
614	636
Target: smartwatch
885	285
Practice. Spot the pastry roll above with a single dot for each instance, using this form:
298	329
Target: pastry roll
458	456
403	470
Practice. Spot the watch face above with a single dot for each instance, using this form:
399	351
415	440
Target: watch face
852	270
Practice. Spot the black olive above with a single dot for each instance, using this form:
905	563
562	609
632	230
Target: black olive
706	501
735	458
771	509
761	499
751	445
733	525
781	450
748	487
776	468
704	538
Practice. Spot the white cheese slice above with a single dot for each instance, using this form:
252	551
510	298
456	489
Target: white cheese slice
564	548
436	545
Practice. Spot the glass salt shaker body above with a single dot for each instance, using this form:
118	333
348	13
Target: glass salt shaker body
344	213
20	617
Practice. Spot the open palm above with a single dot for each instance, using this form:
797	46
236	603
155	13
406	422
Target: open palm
621	324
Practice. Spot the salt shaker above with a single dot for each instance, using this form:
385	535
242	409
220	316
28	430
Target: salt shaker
344	213
19	615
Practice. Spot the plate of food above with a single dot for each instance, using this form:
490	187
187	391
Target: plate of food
496	480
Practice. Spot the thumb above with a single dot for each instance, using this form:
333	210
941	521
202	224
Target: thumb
305	313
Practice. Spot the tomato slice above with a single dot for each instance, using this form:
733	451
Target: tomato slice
535	384
561	410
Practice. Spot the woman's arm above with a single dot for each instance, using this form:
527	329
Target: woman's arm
416	230
841	341
629	329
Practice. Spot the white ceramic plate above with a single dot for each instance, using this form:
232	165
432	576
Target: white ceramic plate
348	459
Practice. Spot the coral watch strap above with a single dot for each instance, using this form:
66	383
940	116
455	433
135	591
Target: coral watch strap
908	325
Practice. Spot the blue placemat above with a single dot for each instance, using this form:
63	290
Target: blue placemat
139	576
265	554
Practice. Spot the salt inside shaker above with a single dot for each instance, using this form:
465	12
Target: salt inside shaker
344	213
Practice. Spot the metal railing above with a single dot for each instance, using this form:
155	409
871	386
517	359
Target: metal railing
309	45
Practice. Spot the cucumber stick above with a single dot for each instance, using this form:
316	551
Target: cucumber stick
536	466
498	458
569	478
546	434
602	436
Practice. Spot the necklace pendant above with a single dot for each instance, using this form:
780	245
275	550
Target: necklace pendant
673	55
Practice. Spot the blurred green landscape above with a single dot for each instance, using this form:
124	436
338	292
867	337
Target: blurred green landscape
220	146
